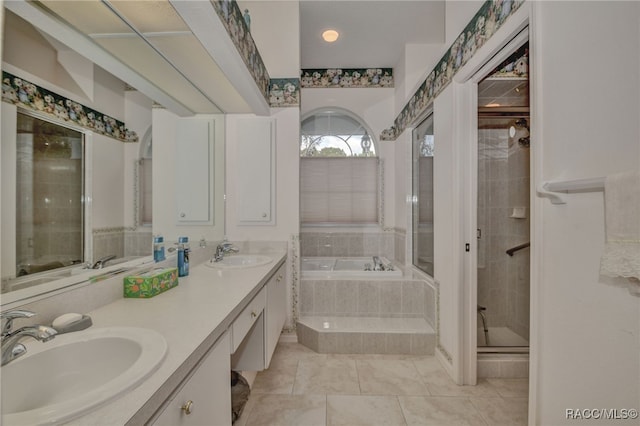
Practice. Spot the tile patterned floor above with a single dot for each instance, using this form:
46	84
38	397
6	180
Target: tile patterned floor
304	388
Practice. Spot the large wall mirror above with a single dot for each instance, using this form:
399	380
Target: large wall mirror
72	196
49	202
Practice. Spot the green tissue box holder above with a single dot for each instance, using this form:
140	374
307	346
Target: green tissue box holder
151	283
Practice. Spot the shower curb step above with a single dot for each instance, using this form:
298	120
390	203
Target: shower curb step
367	335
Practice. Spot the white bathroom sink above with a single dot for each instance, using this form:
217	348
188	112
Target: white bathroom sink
240	261
77	372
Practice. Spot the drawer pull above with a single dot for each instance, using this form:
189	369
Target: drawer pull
187	407
253	314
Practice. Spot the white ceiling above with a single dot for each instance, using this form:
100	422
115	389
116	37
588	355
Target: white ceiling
372	33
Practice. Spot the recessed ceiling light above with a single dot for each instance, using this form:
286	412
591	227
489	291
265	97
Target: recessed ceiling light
330	36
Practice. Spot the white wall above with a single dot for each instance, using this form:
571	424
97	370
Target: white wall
585	58
138	118
108	182
445	216
273	23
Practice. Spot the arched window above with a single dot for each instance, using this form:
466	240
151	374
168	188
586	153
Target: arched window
339	170
335	133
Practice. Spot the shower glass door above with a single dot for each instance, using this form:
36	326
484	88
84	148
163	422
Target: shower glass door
503	207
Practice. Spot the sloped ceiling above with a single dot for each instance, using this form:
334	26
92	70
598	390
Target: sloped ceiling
151	38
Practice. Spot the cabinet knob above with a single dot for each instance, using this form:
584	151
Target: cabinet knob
182	214
264	215
279	278
253	314
187	407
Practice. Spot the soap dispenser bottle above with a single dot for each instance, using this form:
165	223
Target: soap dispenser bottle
183	256
158	248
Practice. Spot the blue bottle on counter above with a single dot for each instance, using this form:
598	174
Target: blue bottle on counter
183	256
158	248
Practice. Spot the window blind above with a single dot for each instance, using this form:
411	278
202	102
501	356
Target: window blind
339	190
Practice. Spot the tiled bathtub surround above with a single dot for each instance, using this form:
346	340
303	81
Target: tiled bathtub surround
400	244
367	298
334	243
366	335
367	316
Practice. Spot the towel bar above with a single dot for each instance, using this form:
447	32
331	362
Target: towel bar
550	189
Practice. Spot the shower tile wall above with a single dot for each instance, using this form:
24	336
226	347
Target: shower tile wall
503	184
121	242
49	207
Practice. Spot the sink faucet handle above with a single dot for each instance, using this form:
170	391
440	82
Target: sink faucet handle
9	316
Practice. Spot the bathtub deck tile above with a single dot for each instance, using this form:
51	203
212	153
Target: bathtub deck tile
342	335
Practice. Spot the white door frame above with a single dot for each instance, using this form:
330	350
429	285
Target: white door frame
507	39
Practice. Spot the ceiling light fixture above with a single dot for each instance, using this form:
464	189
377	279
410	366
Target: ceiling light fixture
330	36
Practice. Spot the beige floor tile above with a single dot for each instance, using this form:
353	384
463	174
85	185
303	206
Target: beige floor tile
440	411
427	365
511	388
326	376
372	356
389	377
287	355
275	380
503	411
287	410
440	384
361	410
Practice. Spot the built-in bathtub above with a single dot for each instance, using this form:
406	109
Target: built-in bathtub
351	267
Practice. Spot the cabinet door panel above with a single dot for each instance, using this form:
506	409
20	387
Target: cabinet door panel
206	393
194	169
256	178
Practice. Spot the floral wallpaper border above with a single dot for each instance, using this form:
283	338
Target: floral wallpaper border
490	17
515	66
346	77
18	91
231	16
284	92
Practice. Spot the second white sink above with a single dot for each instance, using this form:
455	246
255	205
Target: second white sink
240	261
77	372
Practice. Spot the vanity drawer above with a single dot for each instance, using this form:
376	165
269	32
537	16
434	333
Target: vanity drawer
243	322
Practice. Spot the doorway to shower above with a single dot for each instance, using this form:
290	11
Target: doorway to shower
503	213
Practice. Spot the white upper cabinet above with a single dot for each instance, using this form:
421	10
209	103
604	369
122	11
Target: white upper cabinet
194	171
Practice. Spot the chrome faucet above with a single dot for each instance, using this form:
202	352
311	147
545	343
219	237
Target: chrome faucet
102	261
377	265
224	248
11	346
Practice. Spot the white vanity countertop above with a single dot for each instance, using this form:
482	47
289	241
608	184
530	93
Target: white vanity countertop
191	317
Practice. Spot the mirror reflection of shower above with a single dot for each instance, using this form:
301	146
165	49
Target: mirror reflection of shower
521	126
